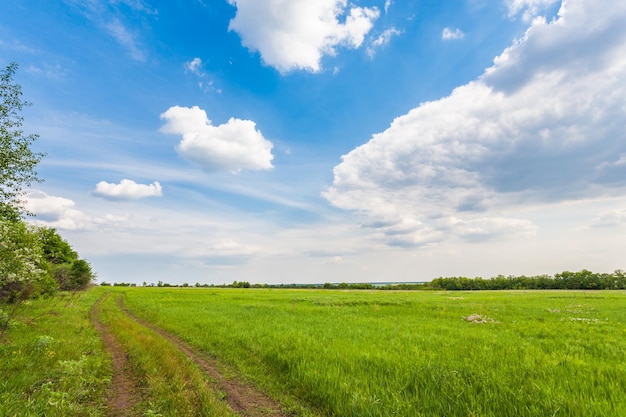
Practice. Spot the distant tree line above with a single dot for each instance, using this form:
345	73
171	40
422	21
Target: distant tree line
581	280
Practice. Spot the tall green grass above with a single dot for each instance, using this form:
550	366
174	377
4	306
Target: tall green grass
411	354
52	362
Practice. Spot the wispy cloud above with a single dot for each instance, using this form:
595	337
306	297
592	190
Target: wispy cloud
381	41
109	18
387	5
452	34
196	67
126	38
18	46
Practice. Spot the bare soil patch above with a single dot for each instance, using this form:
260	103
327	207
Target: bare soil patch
123	395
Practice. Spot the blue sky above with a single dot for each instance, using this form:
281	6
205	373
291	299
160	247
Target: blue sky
326	141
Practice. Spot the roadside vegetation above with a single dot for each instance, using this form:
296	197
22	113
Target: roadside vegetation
52	362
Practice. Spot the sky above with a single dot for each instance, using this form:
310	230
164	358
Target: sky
301	141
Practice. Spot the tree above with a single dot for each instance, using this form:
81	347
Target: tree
80	275
20	257
55	249
17	159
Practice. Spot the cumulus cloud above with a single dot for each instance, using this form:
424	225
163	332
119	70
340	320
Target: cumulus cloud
234	146
127	190
544	124
57	212
449	34
296	34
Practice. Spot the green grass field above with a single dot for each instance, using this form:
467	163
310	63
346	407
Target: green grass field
374	353
412	353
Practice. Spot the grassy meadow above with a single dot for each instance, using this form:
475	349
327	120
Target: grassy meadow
328	352
411	353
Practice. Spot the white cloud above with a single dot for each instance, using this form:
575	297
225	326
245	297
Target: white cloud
387	6
296	34
195	66
57	212
381	41
234	146
127	190
529	8
452	34
543	124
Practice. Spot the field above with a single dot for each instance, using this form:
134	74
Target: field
344	353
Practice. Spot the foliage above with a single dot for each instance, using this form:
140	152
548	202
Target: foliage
21	257
37	261
80	275
55	249
581	280
52	361
17	160
68	270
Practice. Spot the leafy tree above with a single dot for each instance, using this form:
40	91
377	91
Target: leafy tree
80	275
55	249
17	160
20	257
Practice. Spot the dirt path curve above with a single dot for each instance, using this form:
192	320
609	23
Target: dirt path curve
123	394
242	398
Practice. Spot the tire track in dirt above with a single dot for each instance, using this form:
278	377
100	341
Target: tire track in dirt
123	395
242	398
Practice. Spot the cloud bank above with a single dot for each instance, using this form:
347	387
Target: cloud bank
544	124
234	146
127	190
296	34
